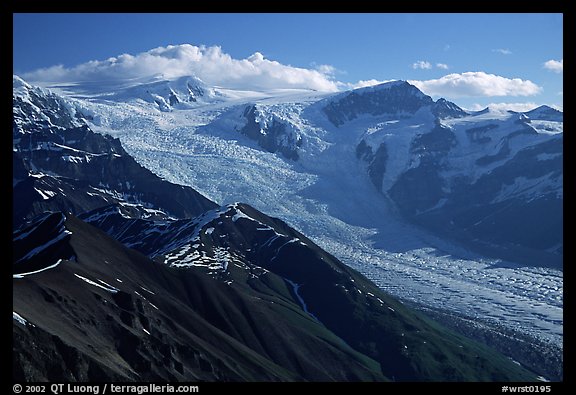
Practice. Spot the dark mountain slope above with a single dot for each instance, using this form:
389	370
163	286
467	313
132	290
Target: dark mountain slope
158	323
261	256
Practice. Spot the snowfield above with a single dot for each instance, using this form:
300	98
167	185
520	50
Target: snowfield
328	196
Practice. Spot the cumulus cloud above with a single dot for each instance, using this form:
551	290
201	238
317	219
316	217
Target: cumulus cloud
556	66
218	68
478	83
422	64
503	51
210	64
442	66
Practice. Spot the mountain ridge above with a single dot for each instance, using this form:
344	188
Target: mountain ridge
108	269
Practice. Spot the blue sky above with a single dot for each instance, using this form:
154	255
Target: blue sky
472	59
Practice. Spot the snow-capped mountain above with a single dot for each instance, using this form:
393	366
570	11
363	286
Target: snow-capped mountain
157	91
40	108
397	99
181	93
491	181
60	164
442	168
332	165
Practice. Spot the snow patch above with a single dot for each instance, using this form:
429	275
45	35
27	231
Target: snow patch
147	290
105	287
18	318
239	214
295	288
139	294
45	194
22	275
76	159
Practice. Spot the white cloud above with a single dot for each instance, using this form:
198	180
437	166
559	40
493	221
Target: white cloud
519	107
218	68
425	65
479	83
365	83
210	64
422	64
556	66
503	51
326	69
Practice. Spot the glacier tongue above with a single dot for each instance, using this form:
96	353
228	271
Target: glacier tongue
329	197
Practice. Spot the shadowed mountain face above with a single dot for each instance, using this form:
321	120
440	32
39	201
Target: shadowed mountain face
111	313
280	310
129	277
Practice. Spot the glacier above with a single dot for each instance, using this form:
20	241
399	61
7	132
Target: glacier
328	195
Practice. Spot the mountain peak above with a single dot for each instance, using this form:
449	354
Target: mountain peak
396	85
545	113
18	82
395	97
165	93
446	109
42	107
